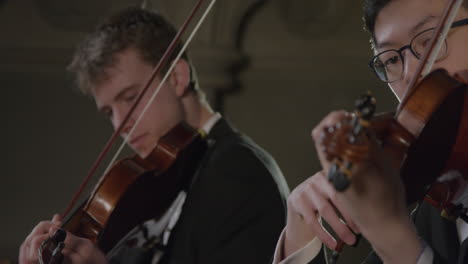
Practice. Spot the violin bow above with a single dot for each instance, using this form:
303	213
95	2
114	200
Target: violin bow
430	55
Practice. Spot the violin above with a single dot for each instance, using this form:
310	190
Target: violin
437	144
426	136
425	139
135	189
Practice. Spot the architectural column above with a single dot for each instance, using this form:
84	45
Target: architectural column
215	50
313	19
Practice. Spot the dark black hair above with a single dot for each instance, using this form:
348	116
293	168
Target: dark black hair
372	9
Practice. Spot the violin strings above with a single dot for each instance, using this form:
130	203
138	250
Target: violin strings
189	39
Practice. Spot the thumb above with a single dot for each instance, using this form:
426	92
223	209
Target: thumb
57	219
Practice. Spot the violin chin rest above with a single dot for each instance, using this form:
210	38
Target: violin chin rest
462	76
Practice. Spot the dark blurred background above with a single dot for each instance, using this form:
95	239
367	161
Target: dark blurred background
274	68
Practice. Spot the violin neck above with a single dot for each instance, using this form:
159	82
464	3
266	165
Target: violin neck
394	138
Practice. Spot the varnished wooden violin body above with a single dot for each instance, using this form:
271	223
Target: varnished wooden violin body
135	190
426	137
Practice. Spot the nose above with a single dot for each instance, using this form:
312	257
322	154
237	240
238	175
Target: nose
409	68
411	64
118	118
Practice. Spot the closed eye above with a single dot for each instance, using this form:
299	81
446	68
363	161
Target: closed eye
106	111
131	98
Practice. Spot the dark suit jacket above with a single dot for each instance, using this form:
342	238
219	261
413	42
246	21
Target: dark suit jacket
439	233
234	209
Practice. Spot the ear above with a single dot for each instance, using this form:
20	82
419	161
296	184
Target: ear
180	77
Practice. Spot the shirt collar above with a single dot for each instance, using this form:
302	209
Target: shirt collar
209	124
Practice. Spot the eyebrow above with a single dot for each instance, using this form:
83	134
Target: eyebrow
119	96
415	29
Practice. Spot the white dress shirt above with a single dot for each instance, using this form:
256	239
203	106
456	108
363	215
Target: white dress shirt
311	250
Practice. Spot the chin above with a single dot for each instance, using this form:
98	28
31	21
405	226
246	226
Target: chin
142	154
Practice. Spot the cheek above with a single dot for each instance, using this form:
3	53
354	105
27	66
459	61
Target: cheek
114	124
457	59
164	113
461	58
398	88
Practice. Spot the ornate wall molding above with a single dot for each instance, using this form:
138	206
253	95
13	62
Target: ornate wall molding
34	59
78	15
310	19
216	51
71	15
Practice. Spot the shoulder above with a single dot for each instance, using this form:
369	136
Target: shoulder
232	147
235	176
237	160
236	173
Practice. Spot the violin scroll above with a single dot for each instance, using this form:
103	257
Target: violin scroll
347	142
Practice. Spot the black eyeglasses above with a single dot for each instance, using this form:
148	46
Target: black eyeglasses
389	65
